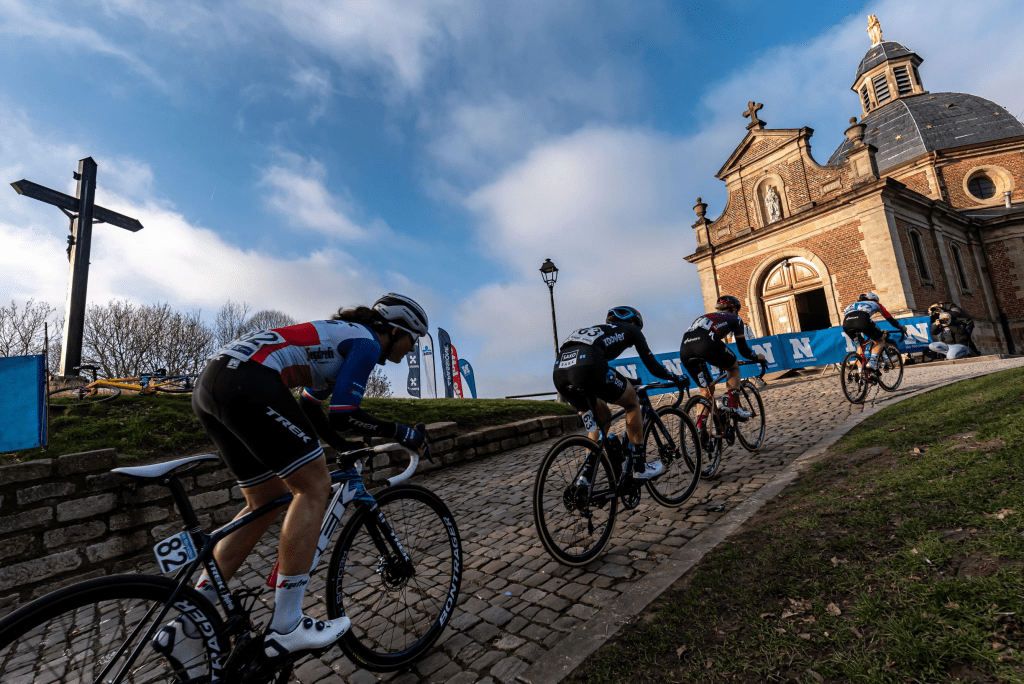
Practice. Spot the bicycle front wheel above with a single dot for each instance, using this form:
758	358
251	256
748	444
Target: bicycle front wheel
81	395
88	632
398	606
751	431
709	431
890	367
851	375
574	500
678	448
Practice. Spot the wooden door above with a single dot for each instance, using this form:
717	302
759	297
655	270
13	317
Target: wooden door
782	315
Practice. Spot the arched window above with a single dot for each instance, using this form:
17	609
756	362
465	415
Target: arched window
922	264
958	264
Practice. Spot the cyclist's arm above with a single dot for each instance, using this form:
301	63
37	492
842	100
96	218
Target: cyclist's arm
312	406
650	362
888	317
741	345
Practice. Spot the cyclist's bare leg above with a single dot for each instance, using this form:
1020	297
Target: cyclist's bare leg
602	414
634	424
232	551
311	485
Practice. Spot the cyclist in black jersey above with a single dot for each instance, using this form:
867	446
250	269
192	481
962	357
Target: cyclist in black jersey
582	371
704	342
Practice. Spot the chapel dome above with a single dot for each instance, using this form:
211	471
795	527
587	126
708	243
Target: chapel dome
910	126
882	52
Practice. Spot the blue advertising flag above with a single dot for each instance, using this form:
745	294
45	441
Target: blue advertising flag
467	376
23	402
413	358
444	352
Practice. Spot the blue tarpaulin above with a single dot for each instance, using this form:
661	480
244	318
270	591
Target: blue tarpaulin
22	402
786	351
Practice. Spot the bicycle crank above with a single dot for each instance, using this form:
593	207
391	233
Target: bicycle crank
248	664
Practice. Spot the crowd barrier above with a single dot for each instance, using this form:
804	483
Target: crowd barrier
786	351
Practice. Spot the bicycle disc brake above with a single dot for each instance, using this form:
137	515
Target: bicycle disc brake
394	572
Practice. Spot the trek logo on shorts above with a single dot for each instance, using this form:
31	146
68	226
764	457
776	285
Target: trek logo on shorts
292	427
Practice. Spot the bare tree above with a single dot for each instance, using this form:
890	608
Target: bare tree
377	385
231	322
269	318
21	332
128	340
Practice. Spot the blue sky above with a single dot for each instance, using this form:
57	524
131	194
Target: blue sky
308	154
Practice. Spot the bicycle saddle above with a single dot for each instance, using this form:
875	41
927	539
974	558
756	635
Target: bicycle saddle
157	470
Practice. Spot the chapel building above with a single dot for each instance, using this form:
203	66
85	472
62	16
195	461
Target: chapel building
919	204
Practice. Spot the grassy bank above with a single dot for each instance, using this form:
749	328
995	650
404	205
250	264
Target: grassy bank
897	559
164	424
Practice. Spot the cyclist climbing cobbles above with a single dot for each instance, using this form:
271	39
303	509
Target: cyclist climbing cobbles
582	371
857	319
269	443
703	343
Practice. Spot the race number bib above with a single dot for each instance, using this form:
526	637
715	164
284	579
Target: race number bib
585	335
174	552
588	421
245	346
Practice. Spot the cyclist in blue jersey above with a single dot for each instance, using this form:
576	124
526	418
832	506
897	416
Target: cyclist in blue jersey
582	371
271	444
704	343
857	319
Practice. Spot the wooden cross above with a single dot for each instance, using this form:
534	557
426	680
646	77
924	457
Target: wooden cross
752	113
83	212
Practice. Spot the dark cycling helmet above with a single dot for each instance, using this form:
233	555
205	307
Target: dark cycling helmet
726	302
402	312
868	296
627	314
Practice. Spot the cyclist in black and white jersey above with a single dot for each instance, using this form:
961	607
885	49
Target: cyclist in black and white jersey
582	371
857	319
271	444
704	342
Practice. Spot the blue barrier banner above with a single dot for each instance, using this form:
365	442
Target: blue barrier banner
786	351
22	402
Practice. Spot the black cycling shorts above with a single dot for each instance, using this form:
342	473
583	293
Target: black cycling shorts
250	414
577	378
698	349
860	322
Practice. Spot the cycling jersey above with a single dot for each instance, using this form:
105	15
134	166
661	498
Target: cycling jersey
717	325
601	343
871	308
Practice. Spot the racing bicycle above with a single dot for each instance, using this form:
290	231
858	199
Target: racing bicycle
395	572
856	377
78	390
580	481
717	425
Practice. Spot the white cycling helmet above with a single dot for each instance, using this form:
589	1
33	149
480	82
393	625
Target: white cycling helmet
868	296
402	312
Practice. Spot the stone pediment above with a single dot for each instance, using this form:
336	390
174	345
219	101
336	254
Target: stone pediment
757	144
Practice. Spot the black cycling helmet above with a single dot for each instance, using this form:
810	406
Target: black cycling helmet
626	314
727	302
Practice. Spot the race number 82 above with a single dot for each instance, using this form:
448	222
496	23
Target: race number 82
174	552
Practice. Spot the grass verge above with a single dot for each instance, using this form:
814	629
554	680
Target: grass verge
897	558
163	425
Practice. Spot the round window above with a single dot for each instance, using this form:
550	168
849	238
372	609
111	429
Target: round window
981	186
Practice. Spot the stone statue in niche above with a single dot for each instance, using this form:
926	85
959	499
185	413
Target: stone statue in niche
773	204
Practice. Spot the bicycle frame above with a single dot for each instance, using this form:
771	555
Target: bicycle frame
723	375
863	342
380	532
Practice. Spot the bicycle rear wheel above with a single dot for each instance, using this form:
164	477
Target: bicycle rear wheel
851	376
708	424
890	367
574	502
176	385
679	452
751	431
398	609
75	633
80	395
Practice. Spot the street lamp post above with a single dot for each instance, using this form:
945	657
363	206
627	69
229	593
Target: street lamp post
549	272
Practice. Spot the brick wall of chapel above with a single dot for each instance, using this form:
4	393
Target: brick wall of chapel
924	293
971	301
839	248
1006	261
917	182
953	176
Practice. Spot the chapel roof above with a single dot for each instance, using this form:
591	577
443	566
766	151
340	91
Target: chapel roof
882	52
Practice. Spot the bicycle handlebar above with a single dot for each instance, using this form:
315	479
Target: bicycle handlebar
664	384
414	457
762	364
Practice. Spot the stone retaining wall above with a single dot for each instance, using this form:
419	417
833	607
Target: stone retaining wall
68	519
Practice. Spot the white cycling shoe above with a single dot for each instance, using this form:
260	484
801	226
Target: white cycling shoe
308	635
181	643
742	415
651	470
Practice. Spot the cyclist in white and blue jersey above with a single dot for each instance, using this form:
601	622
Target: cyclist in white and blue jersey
857	319
271	444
